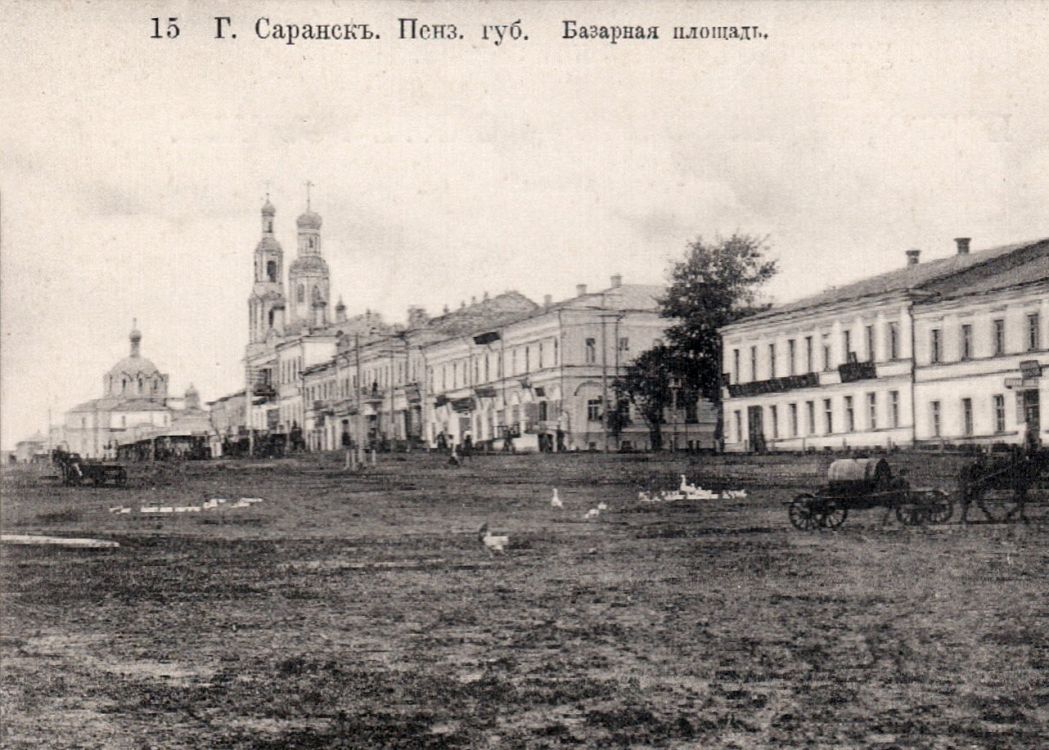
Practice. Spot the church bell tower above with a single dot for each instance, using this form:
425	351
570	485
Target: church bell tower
266	304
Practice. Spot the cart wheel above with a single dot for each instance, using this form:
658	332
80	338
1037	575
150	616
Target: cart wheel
910	514
805	513
833	516
939	508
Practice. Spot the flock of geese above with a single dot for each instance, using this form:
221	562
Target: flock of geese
496	544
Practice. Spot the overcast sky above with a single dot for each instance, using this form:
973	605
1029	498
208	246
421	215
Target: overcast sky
133	169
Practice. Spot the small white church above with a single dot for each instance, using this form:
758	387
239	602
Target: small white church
134	404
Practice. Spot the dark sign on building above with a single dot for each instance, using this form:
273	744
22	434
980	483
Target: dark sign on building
852	371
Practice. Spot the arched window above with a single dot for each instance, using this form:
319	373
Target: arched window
272	317
300	294
269	226
271	270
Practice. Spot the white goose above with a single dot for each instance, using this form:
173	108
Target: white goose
555	501
492	543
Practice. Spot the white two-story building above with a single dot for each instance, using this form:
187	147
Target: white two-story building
866	364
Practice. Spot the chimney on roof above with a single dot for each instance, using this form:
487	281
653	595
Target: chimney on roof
963	244
617	281
580	290
548	299
912	257
446	309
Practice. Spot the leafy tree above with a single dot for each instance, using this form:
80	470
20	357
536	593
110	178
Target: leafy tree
617	416
646	383
716	283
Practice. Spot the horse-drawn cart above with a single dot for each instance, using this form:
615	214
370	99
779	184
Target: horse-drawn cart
863	484
999	484
77	471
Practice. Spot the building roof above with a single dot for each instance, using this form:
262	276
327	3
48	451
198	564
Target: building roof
1027	265
494	312
138	404
907	278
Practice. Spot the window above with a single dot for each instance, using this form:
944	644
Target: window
935	346
870	344
774	414
967	415
486	377
935	413
894	408
791	352
271	270
591	351
967	341
999	412
540	355
826	355
828	417
808	354
772	360
1034	339
810	408
739	426
593	410
753	363
555	351
846	343
543	411
850	416
528	359
624	344
735	365
691	411
872	411
894	341
300	293
793	420
999	337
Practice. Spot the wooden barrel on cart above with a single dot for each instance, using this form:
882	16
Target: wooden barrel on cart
859	475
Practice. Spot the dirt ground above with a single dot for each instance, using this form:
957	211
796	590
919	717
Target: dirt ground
361	611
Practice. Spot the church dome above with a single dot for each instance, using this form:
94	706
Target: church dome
134	366
309	220
269	242
306	264
267	208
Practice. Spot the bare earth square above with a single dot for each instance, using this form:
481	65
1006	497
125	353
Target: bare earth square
360	610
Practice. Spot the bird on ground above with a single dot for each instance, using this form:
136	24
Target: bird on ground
492	543
555	501
592	513
602	505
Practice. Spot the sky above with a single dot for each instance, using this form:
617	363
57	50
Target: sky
132	169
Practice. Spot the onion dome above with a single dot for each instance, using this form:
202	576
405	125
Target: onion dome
267	208
309	220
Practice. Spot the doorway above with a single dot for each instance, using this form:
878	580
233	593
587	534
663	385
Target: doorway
756	429
1031	414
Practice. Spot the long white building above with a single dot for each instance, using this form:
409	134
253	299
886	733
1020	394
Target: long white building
950	350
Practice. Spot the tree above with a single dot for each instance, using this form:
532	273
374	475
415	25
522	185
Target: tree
715	284
646	383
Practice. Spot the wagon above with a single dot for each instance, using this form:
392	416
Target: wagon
855	484
77	471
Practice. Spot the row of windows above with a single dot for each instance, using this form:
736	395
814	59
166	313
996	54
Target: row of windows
821	421
483	369
590	351
997	407
1032	340
811	349
290	369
